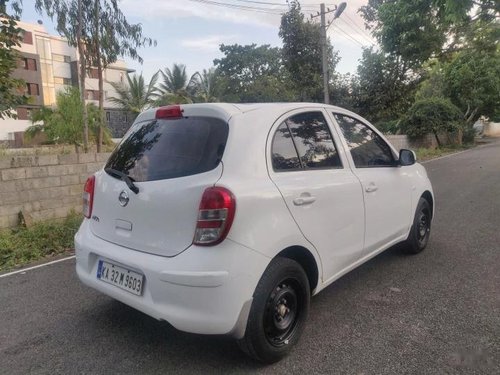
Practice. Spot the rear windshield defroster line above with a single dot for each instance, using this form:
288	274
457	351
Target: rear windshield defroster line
163	149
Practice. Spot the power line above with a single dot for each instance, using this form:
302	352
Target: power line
262	2
363	31
356	32
310	6
348	36
240	7
268	10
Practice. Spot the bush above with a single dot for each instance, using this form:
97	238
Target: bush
388	127
433	115
23	245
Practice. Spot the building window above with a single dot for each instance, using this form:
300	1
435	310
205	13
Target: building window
108	116
93	73
43	48
26	37
32	89
61	58
31	64
62	81
27	64
92	94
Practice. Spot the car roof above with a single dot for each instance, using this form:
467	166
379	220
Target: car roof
228	110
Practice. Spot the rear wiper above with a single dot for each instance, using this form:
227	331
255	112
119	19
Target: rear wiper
125	178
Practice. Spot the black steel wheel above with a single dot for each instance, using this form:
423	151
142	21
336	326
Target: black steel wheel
278	313
280	316
421	228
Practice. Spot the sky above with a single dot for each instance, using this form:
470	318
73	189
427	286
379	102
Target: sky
190	31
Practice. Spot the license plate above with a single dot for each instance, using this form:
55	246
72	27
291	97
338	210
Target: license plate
121	277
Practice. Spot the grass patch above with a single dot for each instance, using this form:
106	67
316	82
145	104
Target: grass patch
432	153
23	245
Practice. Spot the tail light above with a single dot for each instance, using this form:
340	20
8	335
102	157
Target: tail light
169	112
215	216
88	196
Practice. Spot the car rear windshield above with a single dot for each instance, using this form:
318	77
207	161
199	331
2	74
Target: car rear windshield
162	149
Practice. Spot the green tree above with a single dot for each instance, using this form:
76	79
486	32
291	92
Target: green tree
206	85
11	89
135	96
382	90
417	30
64	123
433	81
112	36
432	115
302	55
176	87
472	77
252	73
410	31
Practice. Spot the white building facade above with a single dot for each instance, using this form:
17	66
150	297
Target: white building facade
49	65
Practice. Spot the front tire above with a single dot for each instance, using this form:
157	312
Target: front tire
421	228
278	313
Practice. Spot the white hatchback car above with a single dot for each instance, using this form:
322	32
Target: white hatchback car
226	218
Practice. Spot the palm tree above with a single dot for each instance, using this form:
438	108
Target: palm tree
136	96
206	85
176	88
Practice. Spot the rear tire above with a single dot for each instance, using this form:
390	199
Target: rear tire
278	313
421	228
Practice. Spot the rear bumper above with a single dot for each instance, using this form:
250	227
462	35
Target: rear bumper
205	290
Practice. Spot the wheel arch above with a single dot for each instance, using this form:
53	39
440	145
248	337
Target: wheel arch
429	198
306	259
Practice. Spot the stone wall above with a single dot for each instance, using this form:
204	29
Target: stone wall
45	186
428	141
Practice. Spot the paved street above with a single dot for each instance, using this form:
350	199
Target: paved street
434	313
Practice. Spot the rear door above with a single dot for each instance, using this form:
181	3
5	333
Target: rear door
320	190
386	186
172	162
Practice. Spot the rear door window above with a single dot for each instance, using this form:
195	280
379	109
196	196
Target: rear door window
284	154
162	149
313	141
304	141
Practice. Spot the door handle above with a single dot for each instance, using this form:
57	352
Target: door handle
303	200
371	188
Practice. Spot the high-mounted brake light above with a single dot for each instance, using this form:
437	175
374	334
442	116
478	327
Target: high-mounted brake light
215	216
88	196
169	112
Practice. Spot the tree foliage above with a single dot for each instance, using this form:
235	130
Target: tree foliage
11	89
446	48
252	73
411	31
302	56
432	115
176	87
136	95
64	124
382	90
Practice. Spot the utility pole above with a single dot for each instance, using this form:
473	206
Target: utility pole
324	42
324	54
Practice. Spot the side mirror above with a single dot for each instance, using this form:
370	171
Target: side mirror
407	157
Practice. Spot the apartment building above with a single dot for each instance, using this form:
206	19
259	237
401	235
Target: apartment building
48	65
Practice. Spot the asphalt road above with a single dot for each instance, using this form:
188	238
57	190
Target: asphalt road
434	313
